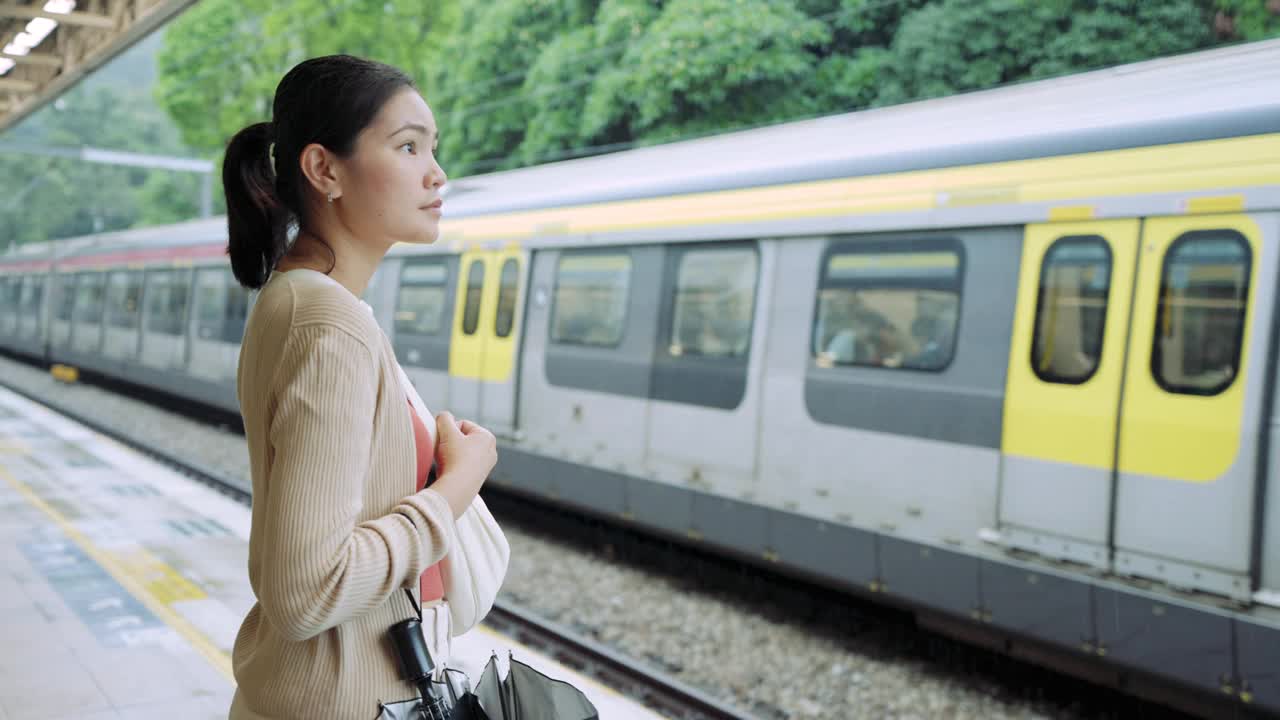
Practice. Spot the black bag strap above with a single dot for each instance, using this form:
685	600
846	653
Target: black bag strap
416	610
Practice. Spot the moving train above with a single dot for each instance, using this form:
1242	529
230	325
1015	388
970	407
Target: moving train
1006	357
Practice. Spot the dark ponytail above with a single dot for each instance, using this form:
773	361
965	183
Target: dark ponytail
325	100
257	222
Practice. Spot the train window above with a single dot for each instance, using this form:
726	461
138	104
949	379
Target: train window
9	292
167	302
590	304
715	298
475	286
421	299
32	294
889	305
1071	309
508	287
65	294
124	291
88	304
236	309
211	304
1204	288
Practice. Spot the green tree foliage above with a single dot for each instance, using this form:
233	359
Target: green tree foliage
1247	19
43	197
222	59
960	45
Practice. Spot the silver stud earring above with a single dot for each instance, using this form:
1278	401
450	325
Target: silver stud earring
330	196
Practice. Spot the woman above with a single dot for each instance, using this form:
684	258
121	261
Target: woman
341	522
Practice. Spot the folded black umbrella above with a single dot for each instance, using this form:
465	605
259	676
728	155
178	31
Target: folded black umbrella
525	694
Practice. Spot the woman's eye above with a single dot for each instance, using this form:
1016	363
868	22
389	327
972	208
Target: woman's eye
410	145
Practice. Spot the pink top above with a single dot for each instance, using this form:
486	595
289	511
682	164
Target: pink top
431	583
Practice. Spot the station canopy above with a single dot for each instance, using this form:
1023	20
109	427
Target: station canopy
49	45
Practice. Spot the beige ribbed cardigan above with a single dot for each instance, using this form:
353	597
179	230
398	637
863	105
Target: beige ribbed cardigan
337	529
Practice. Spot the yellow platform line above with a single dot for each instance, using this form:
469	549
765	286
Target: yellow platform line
120	570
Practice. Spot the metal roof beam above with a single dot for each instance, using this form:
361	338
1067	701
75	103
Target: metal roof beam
83	42
81	19
24	86
34	58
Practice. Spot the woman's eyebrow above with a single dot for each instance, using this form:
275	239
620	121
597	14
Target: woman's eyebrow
414	126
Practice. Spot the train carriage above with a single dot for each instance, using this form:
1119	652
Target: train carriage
1006	357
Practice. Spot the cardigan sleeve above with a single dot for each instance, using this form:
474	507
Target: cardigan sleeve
321	567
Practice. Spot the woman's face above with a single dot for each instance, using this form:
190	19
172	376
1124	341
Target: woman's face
391	182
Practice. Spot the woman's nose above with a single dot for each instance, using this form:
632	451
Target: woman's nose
436	176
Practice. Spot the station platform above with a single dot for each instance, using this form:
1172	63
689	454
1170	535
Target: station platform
124	584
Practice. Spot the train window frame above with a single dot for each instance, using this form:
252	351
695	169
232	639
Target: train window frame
235	314
65	297
81	278
624	320
177	277
214	322
471	313
897	246
498	327
680	254
441	324
112	316
1093	239
1237	341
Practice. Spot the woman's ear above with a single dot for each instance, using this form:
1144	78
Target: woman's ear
322	171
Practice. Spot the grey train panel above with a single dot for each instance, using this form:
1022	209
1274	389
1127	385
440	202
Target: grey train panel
601	490
624	370
963	415
526	471
963	402
428	351
731	523
930	576
837	552
1049	607
1187	643
660	506
1258	654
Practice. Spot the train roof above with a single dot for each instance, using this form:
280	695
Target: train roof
1224	92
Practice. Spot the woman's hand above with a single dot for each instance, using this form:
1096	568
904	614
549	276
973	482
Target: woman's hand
465	454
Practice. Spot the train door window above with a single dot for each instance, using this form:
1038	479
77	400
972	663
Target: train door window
508	288
65	297
89	298
714	303
475	286
211	302
236	308
591	295
124	293
38	285
1071	309
889	305
1204	286
32	294
8	296
421	299
166	302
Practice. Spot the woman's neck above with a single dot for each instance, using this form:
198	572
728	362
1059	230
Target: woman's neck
345	261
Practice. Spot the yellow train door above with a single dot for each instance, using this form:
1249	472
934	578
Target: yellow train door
485	339
1191	416
1062	399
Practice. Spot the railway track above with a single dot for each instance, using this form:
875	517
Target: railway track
662	693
